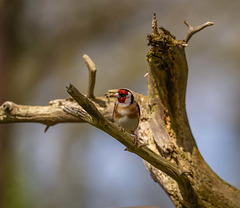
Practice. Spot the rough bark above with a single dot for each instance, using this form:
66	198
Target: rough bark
166	142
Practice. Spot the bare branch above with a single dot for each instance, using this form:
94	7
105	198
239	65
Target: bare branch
49	115
77	112
193	30
92	75
84	102
52	114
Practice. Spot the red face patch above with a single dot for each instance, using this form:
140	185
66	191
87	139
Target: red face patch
121	99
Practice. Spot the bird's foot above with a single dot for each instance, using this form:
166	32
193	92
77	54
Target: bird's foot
135	139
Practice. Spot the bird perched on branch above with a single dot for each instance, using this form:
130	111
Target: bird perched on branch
126	112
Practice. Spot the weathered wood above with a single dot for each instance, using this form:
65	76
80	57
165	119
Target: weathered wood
172	134
51	114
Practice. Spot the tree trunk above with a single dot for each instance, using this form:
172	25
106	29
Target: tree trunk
171	131
166	142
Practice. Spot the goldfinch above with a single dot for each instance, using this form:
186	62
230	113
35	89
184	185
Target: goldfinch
126	112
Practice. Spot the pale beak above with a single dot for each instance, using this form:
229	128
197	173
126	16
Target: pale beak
116	95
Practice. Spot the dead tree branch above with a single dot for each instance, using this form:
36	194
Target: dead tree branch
51	114
193	30
92	75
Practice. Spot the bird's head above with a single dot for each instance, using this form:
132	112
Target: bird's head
124	96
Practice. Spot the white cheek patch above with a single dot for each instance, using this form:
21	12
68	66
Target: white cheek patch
128	100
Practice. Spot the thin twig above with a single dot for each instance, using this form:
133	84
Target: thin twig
47	127
92	75
193	30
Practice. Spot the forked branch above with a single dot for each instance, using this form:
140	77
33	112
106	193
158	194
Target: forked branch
193	30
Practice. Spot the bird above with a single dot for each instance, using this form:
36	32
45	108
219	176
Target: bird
126	112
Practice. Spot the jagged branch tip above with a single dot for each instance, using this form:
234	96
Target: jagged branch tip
190	33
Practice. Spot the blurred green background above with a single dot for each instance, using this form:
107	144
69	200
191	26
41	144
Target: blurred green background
76	165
